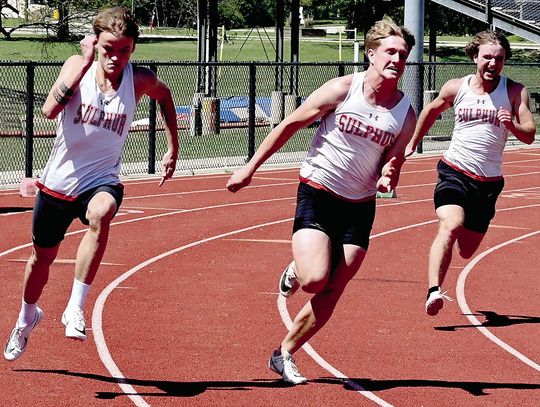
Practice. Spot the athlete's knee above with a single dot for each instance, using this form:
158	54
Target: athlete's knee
314	282
450	227
467	250
465	254
312	276
41	258
100	216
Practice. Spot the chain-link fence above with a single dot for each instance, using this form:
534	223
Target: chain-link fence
524	10
224	110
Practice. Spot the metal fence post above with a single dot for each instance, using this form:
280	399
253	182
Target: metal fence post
251	115
152	131
29	133
341	70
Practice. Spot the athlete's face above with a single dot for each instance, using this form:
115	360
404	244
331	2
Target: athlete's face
490	61
114	52
389	58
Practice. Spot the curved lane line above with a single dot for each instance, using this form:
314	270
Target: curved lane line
97	313
460	292
286	318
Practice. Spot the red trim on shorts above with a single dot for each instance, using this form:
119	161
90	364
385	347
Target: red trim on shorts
66	197
321	187
54	193
470	174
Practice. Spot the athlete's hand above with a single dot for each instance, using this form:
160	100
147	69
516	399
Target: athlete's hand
389	176
409	150
88	45
241	178
168	165
505	117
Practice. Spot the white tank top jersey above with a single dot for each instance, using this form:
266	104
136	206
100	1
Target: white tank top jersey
90	137
479	138
346	153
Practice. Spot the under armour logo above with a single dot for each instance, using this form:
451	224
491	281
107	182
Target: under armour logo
479	100
104	101
371	116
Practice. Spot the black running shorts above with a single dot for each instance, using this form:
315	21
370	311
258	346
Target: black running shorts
52	216
342	221
477	198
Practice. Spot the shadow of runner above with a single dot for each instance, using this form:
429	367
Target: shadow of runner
15	209
474	388
169	388
492	319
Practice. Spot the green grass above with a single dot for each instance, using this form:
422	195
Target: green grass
258	47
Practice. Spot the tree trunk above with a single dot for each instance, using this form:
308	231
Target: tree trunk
62	31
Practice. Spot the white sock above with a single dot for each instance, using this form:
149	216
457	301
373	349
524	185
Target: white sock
78	294
27	314
285	354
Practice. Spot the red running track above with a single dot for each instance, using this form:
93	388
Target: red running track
184	310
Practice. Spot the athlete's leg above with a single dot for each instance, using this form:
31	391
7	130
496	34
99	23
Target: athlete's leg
100	212
312	255
451	219
316	312
468	241
36	273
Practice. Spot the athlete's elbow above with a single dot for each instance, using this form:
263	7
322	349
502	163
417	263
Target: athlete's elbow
49	113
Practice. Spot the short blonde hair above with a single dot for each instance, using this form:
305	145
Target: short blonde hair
386	28
116	20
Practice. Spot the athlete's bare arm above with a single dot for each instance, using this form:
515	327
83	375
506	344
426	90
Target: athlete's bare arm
524	127
395	155
429	114
147	83
321	101
70	75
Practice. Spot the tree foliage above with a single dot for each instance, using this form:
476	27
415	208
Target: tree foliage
76	15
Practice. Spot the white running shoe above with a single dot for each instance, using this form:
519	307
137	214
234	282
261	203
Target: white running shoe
73	319
286	367
435	302
16	344
288	283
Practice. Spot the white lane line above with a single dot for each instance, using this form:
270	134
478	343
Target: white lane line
181	211
108	361
460	292
285	316
97	313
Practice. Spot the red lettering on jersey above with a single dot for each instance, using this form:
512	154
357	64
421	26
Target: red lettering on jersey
95	116
77	118
122	124
341	122
377	134
86	115
107	122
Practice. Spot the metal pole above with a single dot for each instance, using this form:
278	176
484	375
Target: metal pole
202	10
212	44
29	120
280	17
251	114
413	78
152	131
295	40
489	16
